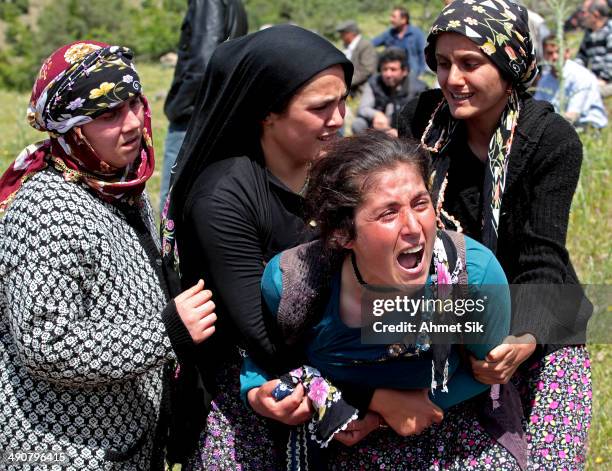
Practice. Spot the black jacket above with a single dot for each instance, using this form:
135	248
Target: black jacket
543	170
387	99
207	24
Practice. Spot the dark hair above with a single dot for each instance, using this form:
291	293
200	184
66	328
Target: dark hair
403	13
550	39
339	181
392	54
601	7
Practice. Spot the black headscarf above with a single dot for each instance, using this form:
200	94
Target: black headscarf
246	79
500	29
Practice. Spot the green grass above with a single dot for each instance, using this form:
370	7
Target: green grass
589	242
590	246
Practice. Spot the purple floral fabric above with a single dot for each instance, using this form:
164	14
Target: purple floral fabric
235	438
557	394
458	443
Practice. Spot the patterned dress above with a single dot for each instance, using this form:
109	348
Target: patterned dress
82	344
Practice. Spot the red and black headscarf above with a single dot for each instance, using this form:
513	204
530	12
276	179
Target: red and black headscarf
75	85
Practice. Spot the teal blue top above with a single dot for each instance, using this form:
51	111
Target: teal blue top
337	352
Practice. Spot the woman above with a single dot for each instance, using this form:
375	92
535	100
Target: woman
83	346
378	226
269	101
506	170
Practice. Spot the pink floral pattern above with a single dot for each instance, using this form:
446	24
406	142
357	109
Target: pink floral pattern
558	392
234	437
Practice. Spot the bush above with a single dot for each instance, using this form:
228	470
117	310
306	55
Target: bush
150	30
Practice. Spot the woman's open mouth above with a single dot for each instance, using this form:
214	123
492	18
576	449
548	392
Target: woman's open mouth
411	259
133	142
460	97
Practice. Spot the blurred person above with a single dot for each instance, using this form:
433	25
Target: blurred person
538	31
405	36
207	23
582	104
360	52
386	93
87	326
595	51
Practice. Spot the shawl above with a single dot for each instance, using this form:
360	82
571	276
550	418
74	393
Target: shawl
500	29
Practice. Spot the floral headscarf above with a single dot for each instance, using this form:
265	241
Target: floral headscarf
75	85
500	29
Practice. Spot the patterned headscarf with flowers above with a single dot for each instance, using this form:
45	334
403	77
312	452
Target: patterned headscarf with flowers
75	85
500	29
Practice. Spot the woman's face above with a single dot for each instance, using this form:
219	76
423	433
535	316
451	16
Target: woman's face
115	136
312	117
471	83
395	228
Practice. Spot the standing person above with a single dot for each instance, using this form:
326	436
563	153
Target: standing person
269	102
405	36
506	169
206	24
386	93
582	104
360	52
83	305
595	51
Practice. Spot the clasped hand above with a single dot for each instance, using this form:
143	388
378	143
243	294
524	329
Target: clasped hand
196	310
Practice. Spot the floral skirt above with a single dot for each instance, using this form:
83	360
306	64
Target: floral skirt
235	437
458	443
557	395
555	391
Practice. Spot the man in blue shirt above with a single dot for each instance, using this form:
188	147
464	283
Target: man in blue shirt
580	101
406	36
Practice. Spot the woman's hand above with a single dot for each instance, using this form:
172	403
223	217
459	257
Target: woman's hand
358	429
501	362
407	412
196	310
294	409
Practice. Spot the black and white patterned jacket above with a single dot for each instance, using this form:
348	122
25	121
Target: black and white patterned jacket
82	343
595	52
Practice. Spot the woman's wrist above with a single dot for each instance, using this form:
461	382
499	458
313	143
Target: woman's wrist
379	398
252	397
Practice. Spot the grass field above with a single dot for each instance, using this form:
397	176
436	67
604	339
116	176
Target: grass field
589	239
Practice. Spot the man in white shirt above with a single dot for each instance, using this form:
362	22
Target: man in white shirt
360	52
581	102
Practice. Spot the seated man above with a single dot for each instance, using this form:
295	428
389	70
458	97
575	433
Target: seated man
360	52
596	47
581	102
386	93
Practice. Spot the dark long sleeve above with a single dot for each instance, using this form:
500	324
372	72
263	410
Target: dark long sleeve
543	171
203	28
232	264
542	257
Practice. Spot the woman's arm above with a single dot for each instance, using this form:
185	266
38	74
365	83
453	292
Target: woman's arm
57	340
229	240
542	257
